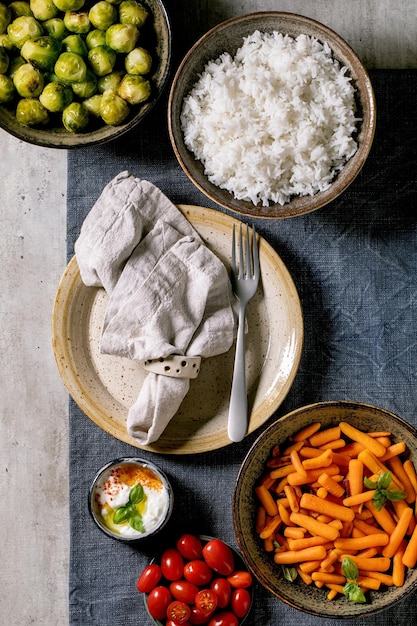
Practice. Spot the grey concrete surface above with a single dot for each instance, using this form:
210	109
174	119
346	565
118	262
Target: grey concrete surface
33	403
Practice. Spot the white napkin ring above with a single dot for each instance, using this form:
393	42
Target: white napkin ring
175	365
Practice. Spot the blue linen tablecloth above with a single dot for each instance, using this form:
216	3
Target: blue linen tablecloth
354	265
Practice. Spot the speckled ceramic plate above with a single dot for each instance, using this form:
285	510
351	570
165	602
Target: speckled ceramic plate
309	598
104	387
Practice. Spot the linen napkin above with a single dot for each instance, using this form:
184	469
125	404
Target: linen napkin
168	293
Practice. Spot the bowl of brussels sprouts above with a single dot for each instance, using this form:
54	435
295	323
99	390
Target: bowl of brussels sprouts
80	72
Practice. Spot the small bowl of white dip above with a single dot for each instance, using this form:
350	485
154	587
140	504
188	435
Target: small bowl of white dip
130	499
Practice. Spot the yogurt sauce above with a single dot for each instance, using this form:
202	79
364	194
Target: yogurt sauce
113	489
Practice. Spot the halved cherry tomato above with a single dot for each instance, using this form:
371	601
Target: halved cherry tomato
219	557
149	578
183	590
224	618
240	602
158	601
206	600
198	572
190	547
172	564
223	591
178	612
240	579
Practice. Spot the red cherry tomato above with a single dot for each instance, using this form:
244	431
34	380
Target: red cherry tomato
178	612
219	557
240	602
198	572
158	601
206	600
224	618
240	579
190	547
149	578
172	564
169	622
198	616
184	591
223	591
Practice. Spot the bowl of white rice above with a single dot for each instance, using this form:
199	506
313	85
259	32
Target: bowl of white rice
271	115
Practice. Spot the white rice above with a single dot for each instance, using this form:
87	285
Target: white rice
275	121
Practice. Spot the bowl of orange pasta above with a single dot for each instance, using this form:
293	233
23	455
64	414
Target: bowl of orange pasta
325	509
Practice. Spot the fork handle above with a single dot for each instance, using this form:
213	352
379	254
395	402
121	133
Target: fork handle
238	408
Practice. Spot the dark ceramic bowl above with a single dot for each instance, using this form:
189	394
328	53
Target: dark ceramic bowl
228	37
308	598
157	38
127	472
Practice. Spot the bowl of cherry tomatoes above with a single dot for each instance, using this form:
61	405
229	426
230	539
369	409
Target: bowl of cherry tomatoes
197	580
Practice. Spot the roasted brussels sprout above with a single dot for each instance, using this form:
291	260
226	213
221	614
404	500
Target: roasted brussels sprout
95	38
4	61
110	81
138	61
93	104
31	112
134	89
14	65
87	87
75	43
5	17
55	28
28	81
69	5
131	12
5	42
102	15
20	8
75	117
102	60
113	109
43	9
77	22
22	29
6	89
41	52
55	97
70	68
122	37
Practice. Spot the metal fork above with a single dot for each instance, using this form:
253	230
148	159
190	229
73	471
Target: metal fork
244	284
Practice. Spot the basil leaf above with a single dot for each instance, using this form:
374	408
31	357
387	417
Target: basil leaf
136	522
290	573
349	569
384	480
121	514
395	495
136	494
356	594
379	500
369	483
347	589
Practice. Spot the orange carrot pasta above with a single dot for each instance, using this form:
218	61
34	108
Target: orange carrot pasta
368	442
410	553
289	557
313	503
